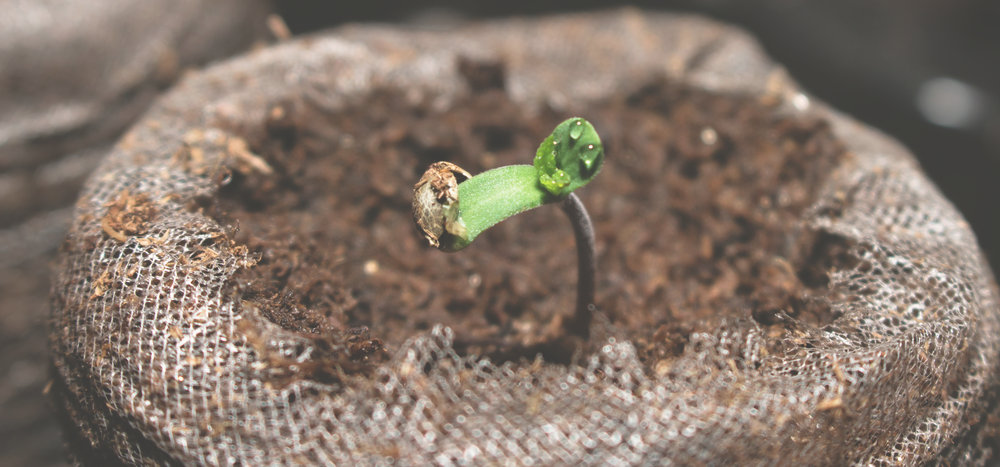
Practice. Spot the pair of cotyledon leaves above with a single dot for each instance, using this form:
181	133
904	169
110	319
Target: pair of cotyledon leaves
569	158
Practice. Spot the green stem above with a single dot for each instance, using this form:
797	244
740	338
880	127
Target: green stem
493	196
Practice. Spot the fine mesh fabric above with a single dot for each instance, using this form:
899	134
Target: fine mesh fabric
155	362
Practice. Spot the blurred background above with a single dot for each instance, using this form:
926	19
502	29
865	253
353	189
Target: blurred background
75	73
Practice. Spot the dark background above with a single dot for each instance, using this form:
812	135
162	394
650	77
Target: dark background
873	59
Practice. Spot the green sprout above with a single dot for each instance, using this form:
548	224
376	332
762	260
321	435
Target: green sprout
452	207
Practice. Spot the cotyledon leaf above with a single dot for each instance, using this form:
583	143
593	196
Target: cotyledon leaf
569	157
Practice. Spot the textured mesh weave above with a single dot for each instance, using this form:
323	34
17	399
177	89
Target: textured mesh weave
155	362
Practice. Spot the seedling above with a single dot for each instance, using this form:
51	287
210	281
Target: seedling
451	207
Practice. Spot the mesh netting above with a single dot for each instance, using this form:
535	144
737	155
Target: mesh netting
156	362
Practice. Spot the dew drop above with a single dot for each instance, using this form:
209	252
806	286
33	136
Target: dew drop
589	156
576	129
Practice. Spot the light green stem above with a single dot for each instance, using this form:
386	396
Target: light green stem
495	195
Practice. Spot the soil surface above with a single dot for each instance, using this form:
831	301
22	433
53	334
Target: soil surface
697	215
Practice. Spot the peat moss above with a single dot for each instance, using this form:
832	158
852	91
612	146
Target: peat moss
697	214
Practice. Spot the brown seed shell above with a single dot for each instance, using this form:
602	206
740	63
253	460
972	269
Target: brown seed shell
434	195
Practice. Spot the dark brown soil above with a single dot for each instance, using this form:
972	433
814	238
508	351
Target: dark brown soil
696	214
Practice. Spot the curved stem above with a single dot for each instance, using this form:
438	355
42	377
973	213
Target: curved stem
586	255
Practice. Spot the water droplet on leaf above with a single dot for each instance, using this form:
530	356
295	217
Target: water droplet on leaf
589	155
576	129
